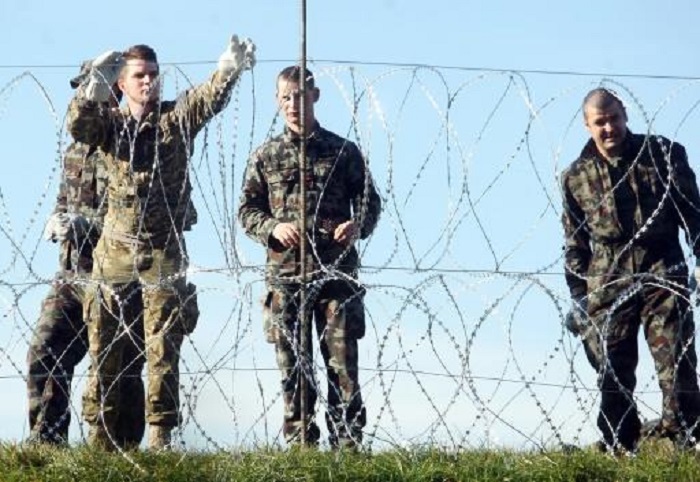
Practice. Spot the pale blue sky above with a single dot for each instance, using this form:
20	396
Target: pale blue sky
421	173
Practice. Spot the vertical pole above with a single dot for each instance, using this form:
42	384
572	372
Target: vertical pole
303	357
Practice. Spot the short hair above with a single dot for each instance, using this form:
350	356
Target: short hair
602	98
292	73
140	52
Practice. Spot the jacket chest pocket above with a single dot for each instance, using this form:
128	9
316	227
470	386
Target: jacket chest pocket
283	188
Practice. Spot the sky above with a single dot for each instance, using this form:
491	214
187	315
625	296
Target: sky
466	150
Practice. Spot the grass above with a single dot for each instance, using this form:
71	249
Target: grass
654	463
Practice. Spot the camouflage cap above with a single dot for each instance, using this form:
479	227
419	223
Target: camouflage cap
84	71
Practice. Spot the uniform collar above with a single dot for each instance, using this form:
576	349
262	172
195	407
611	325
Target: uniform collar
628	151
292	136
149	119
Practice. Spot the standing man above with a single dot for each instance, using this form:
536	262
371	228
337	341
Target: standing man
342	206
141	258
60	338
625	199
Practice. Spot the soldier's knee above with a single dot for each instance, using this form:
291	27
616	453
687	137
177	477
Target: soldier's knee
345	318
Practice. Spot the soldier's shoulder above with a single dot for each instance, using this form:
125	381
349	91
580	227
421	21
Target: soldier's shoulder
167	106
330	137
271	147
579	166
661	146
76	151
659	139
669	144
76	146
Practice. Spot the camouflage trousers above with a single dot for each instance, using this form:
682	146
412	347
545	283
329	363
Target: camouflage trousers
58	344
130	324
116	399
611	343
337	309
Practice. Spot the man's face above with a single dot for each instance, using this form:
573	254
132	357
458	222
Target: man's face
289	102
139	81
608	127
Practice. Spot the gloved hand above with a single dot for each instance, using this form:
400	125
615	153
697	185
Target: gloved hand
576	319
63	226
238	56
104	72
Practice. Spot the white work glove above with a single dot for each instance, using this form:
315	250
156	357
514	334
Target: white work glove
63	226
104	72
238	56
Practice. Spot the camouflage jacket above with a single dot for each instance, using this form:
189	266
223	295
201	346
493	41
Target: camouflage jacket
147	162
339	188
622	217
82	191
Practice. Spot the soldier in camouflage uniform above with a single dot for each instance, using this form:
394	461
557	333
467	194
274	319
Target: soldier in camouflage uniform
141	258
60	340
625	199
342	205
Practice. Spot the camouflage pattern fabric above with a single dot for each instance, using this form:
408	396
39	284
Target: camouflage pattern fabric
59	341
142	247
338	313
115	400
82	191
148	160
167	309
339	188
621	220
592	347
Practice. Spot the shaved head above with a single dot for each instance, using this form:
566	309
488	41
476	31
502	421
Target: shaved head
606	120
602	99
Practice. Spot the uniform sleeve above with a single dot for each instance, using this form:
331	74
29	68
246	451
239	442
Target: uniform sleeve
69	190
90	122
191	216
686	196
98	210
366	203
62	197
200	104
577	247
254	211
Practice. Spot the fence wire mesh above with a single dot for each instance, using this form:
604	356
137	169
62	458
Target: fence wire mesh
465	293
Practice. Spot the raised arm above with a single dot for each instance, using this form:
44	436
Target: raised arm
199	104
90	118
90	122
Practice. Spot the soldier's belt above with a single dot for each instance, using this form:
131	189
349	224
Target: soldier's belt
128	202
125	238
